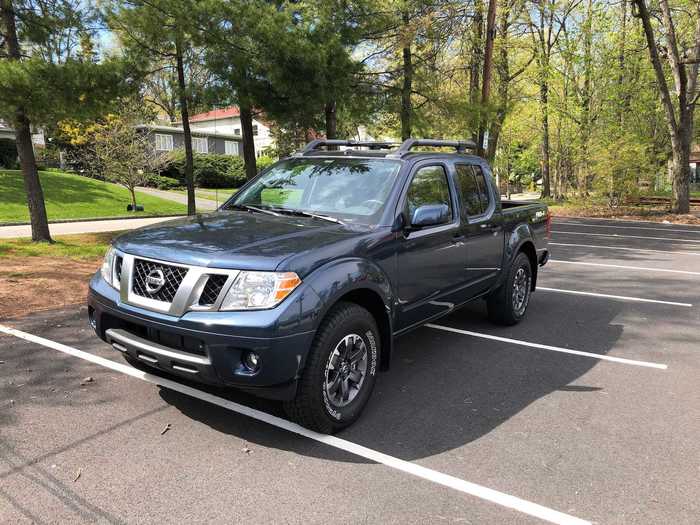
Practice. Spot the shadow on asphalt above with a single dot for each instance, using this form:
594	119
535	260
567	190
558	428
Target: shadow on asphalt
444	390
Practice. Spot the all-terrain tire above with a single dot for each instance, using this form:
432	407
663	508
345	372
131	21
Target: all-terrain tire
312	407
507	304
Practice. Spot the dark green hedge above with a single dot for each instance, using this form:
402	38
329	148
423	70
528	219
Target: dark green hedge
210	170
8	154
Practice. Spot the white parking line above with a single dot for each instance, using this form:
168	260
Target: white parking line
622	248
628	227
494	496
602	357
645	269
625	236
608	296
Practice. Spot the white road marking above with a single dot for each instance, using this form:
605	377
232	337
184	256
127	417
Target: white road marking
602	357
608	296
629	227
494	496
625	236
641	268
622	248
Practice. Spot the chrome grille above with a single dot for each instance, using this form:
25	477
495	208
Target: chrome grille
172	277
212	289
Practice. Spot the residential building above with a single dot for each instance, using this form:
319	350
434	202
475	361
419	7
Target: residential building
169	138
228	121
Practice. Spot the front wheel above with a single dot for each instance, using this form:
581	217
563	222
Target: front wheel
507	304
340	371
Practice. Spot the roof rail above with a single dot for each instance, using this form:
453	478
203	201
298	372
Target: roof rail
319	143
460	145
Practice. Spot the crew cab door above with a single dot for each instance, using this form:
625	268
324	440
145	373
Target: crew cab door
432	259
482	226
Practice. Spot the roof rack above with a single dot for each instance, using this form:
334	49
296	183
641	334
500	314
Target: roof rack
460	145
319	143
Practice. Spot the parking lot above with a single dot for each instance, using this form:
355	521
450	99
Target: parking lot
586	412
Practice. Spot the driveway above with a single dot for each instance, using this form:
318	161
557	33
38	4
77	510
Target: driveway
68	228
586	412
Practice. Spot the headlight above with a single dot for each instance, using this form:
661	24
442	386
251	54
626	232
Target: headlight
108	266
258	290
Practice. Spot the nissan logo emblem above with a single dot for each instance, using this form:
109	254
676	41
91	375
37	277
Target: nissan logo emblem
155	280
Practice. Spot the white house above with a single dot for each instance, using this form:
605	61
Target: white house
227	121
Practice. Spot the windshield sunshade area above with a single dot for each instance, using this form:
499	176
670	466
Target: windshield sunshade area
354	190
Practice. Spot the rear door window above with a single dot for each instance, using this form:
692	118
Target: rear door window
484	194
469	190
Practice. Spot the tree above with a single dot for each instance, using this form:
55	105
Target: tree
124	153
159	32
679	105
42	81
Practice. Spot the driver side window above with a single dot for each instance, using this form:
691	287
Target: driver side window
429	187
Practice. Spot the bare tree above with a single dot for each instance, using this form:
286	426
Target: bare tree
126	155
679	106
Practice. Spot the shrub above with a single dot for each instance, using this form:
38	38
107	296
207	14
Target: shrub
210	170
163	183
263	162
8	154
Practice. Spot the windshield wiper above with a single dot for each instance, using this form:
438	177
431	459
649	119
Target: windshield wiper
248	207
304	213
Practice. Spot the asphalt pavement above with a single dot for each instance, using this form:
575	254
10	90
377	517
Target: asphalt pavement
586	412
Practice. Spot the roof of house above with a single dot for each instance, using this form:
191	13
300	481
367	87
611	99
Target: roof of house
232	111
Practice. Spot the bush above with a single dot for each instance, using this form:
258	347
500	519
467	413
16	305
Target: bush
263	162
210	170
163	183
8	154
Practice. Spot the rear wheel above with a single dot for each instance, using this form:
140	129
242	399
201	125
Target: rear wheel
340	371
507	305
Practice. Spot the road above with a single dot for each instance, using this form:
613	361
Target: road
590	409
68	228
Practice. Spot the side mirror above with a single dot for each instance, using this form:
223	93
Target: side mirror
430	215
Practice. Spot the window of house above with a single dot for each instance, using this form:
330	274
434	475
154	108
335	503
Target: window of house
428	187
200	145
255	130
237	131
231	147
164	142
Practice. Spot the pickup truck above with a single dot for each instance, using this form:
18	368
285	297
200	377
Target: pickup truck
297	286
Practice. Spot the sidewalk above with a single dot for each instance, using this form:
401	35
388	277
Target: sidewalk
202	204
67	228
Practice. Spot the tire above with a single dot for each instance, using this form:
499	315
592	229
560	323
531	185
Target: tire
331	395
508	303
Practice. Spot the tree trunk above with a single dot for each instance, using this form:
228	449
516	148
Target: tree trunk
331	120
132	191
544	101
248	140
488	69
475	61
586	121
184	113
407	88
23	139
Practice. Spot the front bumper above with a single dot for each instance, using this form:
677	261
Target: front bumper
209	347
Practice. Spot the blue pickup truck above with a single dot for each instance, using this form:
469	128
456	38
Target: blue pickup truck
296	288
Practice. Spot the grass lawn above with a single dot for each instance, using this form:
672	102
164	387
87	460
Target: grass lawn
83	246
70	196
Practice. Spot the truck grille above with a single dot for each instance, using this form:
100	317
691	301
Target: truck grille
147	278
212	289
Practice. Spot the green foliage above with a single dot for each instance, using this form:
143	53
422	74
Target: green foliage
8	154
263	161
70	196
210	171
162	183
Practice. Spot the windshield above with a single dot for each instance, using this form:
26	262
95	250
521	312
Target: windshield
354	190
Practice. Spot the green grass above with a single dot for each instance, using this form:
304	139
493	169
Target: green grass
74	197
85	246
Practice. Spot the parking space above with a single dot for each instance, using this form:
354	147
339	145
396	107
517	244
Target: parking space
588	411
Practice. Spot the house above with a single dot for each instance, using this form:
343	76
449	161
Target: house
695	168
169	138
6	132
228	121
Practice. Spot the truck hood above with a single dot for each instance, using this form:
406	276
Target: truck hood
233	239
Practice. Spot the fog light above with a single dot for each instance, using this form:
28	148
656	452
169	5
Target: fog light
251	361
